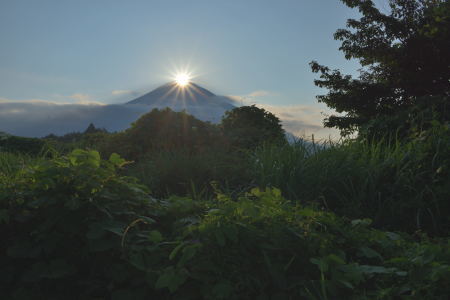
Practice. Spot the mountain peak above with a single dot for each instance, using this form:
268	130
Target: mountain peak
191	98
172	93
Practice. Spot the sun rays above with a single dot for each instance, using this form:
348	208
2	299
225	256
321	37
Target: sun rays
182	79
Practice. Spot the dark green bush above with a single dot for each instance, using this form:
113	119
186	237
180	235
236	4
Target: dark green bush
9	143
74	229
63	222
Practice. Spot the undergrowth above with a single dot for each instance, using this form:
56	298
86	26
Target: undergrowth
74	228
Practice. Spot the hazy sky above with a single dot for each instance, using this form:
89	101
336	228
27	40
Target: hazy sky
95	50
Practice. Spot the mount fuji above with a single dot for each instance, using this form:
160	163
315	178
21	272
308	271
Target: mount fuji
41	118
193	98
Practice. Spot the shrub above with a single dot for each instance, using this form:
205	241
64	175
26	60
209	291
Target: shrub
62	225
74	229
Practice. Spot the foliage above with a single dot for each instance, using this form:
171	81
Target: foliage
92	137
10	143
62	224
249	126
400	185
74	229
181	172
405	58
162	130
11	164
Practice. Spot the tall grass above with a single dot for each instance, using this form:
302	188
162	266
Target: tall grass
12	163
182	172
400	185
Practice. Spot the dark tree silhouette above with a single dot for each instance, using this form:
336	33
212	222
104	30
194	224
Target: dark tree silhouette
250	126
90	129
164	130
405	57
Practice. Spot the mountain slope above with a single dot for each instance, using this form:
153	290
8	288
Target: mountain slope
193	98
172	92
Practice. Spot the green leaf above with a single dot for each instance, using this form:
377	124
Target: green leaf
171	278
393	236
255	192
369	253
321	263
347	284
155	236
137	259
362	222
188	253
366	269
116	160
175	251
276	192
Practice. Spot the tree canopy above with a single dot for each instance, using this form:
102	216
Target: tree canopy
163	130
250	126
405	61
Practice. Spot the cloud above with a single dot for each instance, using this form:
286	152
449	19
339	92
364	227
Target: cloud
303	120
250	98
121	96
122	92
37	118
80	98
259	93
5	100
300	120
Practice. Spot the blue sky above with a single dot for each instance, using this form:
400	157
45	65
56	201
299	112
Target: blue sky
95	50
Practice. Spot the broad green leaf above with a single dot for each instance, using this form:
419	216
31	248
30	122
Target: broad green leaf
155	236
188	253
117	160
323	266
176	250
369	253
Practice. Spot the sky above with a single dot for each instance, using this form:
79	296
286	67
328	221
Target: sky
110	51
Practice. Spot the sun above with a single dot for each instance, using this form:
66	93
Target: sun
182	79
